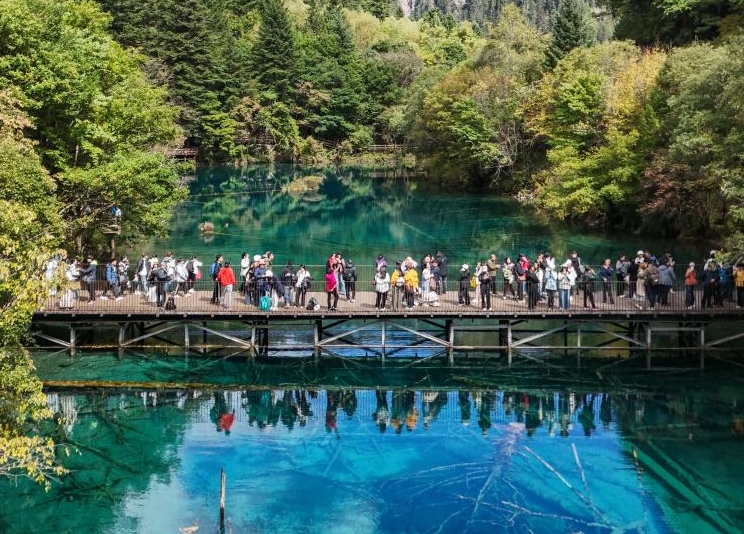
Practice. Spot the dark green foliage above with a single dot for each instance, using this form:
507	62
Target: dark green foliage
273	58
675	22
193	49
573	28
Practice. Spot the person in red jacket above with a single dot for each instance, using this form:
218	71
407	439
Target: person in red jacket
226	278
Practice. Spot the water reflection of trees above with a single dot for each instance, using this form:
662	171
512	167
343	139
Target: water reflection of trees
355	209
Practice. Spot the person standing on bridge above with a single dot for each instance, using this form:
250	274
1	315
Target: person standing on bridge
690	283
587	281
621	273
492	264
442	262
667	280
214	270
550	283
533	287
382	286
350	277
652	282
564	286
112	279
141	271
331	283
226	279
739	284
463	295
605	273
158	277
410	283
486	281
88	278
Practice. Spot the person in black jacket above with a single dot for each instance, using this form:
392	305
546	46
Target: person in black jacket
533	287
159	277
88	274
463	296
350	277
587	281
442	262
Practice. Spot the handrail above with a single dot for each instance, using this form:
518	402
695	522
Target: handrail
197	299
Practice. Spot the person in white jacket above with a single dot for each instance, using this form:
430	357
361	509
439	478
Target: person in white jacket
382	286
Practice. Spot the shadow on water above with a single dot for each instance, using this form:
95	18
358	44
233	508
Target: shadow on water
342	445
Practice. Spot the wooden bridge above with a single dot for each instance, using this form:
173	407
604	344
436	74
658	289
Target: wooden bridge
625	328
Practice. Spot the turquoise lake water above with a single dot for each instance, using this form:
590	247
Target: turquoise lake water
393	459
363	213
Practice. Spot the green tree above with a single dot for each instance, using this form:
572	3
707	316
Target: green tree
594	112
573	28
200	50
274	55
695	184
468	119
97	120
675	22
29	233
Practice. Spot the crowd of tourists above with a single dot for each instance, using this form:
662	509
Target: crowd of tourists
648	280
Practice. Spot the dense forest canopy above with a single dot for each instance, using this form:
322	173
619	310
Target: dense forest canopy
620	113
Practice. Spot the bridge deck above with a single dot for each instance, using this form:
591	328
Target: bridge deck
197	305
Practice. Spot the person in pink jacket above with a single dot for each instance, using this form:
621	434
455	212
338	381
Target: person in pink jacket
332	286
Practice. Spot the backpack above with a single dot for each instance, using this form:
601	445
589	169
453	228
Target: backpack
311	304
264	303
190	266
170	304
214	270
473	282
518	269
349	275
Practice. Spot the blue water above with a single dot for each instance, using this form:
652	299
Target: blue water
320	461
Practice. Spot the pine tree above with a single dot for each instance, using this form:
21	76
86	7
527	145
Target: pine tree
573	28
274	52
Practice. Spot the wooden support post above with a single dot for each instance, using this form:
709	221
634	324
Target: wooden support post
648	346
578	345
509	343
702	346
253	340
122	334
204	337
73	335
186	337
451	342
222	500
263	339
383	342
318	335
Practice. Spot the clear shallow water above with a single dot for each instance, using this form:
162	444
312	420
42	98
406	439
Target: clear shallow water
363	212
549	459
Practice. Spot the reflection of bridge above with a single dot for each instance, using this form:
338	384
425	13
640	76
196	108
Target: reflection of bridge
510	328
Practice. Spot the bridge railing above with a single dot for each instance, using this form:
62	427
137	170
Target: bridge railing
362	298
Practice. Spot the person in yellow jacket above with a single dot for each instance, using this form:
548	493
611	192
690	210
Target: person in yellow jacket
411	286
739	284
